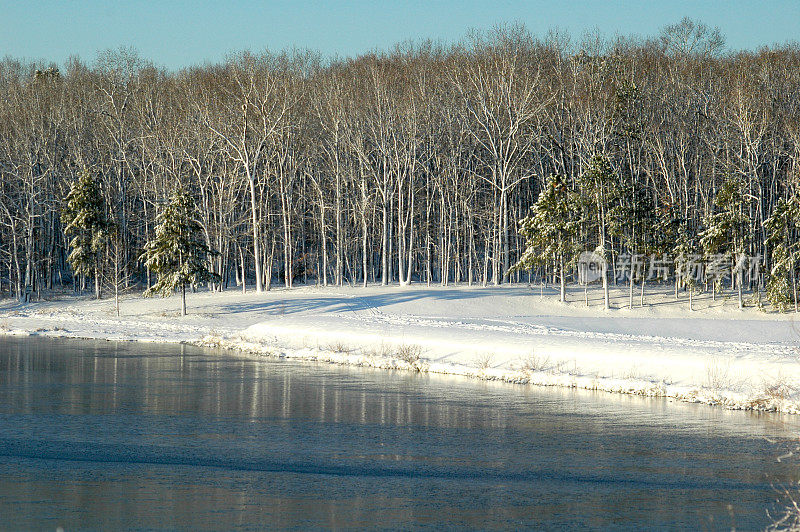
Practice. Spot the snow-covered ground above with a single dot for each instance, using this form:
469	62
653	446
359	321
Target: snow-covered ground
717	354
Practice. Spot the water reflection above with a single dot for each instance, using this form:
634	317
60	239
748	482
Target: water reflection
118	435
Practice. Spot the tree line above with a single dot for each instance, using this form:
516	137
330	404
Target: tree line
428	163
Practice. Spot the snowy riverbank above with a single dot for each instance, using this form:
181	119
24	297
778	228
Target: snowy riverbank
717	354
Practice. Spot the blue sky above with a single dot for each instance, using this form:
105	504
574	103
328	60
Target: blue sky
182	32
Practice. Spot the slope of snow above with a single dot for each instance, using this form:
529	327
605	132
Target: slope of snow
717	354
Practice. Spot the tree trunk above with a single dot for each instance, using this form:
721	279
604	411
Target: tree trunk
183	300
471	251
364	230
17	268
497	244
270	266
486	248
739	288
505	247
677	277
364	249
641	294
96	282
385	246
323	245
339	237
116	281
244	270
256	237
410	241
630	288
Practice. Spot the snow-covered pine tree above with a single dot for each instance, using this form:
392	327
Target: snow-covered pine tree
665	235
782	228
779	289
551	229
600	200
178	253
646	214
85	221
638	221
725	228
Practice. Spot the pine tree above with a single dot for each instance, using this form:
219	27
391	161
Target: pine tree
638	220
781	227
551	229
600	200
666	234
725	229
178	254
85	220
779	290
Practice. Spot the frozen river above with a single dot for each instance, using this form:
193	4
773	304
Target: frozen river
113	435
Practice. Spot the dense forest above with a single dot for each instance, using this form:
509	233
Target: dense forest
430	163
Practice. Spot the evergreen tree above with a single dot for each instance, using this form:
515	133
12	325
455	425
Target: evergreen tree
726	227
178	254
638	221
600	193
779	289
550	231
85	221
781	228
666	240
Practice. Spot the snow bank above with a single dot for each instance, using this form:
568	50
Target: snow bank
718	355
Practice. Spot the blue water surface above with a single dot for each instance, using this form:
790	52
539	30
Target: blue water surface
146	436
